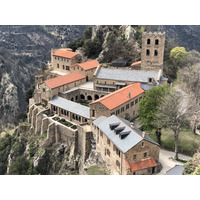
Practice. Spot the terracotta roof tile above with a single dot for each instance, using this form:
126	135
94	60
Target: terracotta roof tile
64	53
120	96
143	164
89	64
63	80
136	63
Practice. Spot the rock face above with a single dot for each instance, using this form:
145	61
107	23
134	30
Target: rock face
118	47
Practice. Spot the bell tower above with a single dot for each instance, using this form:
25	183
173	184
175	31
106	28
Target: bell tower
153	45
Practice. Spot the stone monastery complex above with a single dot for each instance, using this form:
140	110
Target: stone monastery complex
94	107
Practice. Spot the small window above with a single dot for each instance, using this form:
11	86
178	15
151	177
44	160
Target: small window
150	80
122	109
118	163
132	103
108	152
142	144
134	157
155	53
148	41
43	89
145	154
57	65
101	134
136	101
127	106
156	42
93	113
63	67
134	113
108	141
105	82
148	52
140	98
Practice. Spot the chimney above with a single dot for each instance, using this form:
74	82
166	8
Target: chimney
129	95
144	134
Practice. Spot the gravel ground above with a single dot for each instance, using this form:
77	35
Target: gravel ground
167	161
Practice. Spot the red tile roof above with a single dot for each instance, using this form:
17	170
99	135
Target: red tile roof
63	80
136	63
143	164
64	53
89	64
120	96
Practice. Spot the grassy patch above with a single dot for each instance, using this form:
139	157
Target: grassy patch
40	153
188	141
32	149
95	170
16	146
44	135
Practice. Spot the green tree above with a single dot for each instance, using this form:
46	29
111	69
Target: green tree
148	108
92	48
29	93
171	114
178	56
87	34
76	44
5	147
19	166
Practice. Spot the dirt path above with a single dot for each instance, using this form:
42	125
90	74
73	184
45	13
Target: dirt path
167	162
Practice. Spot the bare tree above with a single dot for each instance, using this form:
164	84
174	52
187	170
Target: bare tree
172	114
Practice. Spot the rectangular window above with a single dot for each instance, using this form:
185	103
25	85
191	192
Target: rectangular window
142	144
108	152
132	103
93	113
134	157
145	154
108	141
101	134
127	106
43	89
136	101
122	109
57	65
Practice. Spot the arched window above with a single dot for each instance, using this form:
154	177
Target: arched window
89	98
82	96
156	42
155	53
96	96
148	41
148	52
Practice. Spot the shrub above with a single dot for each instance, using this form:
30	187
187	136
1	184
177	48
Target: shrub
19	166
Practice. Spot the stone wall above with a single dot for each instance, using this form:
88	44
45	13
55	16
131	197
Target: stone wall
63	63
152	61
115	158
88	73
129	113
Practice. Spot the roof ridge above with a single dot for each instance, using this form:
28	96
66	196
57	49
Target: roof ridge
108	95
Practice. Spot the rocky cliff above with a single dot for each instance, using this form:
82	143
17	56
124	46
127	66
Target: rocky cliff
25	49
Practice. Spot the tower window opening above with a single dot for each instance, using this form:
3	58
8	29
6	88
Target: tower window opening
155	53
148	41
148	52
156	42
